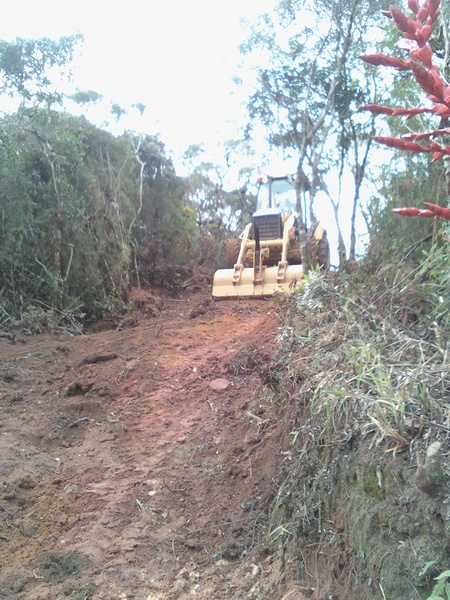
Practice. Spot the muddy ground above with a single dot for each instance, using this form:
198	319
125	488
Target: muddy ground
137	462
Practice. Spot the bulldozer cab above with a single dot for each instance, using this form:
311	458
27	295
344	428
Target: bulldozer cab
276	192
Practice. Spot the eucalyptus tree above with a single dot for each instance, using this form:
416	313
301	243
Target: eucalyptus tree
308	87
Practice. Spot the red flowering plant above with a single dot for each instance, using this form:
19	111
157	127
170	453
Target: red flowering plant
416	32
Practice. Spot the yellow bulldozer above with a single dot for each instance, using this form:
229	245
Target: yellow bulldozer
266	258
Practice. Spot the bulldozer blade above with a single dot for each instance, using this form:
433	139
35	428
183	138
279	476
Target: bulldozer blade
224	287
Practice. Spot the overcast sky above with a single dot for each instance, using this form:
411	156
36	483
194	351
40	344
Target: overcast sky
177	57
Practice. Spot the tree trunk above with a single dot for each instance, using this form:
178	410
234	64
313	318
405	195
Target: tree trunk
302	185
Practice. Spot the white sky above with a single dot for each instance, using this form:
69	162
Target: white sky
177	57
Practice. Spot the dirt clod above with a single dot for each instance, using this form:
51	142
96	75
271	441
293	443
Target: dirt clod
219	385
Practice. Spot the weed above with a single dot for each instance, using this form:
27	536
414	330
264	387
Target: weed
312	290
359	376
36	319
248	360
294	435
441	589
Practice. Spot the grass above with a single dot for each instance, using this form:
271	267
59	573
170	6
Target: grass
381	378
364	374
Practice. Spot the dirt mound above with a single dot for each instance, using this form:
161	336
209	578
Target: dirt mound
127	471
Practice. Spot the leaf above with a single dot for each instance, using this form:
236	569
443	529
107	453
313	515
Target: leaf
407	211
413	212
409	112
422	14
412	137
427	79
376	109
426	567
414	6
441	110
401	144
437	156
439	211
381	60
443	575
425	33
433	8
425	54
404	23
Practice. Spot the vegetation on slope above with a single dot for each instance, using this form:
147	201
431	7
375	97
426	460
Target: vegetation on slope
362	371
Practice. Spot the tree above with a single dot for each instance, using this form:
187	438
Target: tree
93	262
84	97
307	97
163	231
226	209
28	67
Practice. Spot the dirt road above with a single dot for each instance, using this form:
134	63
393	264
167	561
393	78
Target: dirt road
136	462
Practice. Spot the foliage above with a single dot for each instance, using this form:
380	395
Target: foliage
393	240
56	245
312	290
417	31
362	378
83	97
408	178
206	189
70	215
26	66
220	213
442	585
434	273
366	378
83	214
